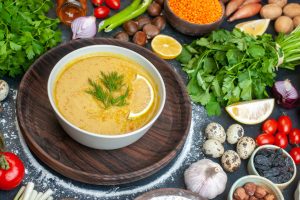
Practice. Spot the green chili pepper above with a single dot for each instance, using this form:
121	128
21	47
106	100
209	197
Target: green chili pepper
140	10
119	16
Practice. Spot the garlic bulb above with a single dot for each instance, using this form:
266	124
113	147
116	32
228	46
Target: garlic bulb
206	178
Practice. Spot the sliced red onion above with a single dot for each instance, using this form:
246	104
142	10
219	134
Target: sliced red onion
286	94
84	27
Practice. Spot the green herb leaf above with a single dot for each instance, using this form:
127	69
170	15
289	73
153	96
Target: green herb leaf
108	89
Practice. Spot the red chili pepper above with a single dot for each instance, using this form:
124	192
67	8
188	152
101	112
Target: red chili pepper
294	136
11	171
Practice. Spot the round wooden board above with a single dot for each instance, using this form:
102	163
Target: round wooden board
55	148
169	192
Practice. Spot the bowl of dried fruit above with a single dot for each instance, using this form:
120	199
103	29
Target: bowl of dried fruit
254	187
273	163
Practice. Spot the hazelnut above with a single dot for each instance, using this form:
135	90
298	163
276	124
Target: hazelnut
130	27
154	9
260	192
151	31
159	22
123	36
250	188
253	198
240	194
142	21
140	38
270	197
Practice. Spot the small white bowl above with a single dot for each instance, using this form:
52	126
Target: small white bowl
99	141
258	180
252	170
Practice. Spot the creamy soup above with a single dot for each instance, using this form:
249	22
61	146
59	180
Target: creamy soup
74	99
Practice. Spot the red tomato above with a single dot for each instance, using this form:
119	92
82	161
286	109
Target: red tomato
294	136
113	4
264	139
270	126
97	2
281	140
284	124
101	12
11	177
295	153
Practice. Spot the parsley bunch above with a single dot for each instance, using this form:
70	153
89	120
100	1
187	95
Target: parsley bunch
25	33
227	67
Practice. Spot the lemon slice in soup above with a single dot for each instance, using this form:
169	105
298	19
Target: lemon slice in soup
142	97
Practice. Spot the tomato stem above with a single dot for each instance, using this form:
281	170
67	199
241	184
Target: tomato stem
3	163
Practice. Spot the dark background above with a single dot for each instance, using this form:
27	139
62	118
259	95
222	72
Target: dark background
200	119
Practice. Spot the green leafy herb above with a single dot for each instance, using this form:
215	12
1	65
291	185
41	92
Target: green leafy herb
227	67
25	33
108	89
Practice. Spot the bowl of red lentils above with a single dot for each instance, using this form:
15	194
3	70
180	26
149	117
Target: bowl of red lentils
194	17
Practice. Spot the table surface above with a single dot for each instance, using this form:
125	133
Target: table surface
170	176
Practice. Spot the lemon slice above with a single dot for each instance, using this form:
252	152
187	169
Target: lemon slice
142	97
251	112
166	47
254	27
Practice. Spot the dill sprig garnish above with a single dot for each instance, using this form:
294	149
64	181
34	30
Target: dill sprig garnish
108	88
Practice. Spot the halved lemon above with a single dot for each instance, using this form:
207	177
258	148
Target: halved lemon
142	97
166	47
251	112
254	27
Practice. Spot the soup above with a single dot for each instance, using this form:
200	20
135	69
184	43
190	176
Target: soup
106	94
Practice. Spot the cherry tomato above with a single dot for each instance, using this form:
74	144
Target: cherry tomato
264	139
11	177
284	124
295	153
101	12
113	4
281	140
270	126
294	136
97	2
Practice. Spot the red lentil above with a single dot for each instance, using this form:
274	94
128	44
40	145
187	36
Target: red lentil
197	11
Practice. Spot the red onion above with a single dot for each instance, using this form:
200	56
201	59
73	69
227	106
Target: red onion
286	94
84	27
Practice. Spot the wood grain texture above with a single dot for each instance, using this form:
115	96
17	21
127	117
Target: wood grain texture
56	149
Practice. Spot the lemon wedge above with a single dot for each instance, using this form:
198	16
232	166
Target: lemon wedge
251	112
166	47
143	97
254	27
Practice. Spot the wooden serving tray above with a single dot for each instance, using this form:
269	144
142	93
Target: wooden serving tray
48	141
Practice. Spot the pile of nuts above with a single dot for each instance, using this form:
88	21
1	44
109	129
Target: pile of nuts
144	28
252	191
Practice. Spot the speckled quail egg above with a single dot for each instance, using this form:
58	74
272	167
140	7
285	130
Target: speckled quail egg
4	89
213	148
234	133
245	147
215	131
231	161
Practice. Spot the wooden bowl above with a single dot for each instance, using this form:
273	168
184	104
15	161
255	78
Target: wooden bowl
169	192
189	28
50	143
